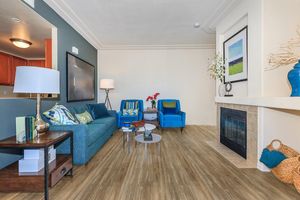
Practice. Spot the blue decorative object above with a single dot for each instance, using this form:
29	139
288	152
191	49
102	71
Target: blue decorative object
170	118
122	119
294	78
271	158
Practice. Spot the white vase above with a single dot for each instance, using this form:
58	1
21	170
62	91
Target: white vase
221	90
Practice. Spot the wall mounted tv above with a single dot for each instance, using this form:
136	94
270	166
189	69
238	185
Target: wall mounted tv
80	79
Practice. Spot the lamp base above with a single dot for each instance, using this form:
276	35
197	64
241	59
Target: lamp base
41	126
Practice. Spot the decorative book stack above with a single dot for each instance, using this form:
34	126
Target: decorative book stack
25	128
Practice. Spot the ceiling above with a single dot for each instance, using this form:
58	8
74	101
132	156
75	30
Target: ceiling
144	23
32	27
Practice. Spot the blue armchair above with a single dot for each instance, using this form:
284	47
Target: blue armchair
130	118
170	114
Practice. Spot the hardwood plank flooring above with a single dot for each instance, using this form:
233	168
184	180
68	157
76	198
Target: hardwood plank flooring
185	168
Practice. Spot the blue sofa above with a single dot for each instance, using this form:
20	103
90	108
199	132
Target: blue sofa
170	118
130	118
87	138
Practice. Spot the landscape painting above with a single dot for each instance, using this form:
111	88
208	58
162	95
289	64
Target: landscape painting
235	57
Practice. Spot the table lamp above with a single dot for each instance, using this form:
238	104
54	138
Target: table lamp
107	84
37	80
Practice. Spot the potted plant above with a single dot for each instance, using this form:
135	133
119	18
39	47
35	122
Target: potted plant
153	99
217	70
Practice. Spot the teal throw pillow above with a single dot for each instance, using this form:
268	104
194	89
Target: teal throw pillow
60	115
84	118
98	110
271	158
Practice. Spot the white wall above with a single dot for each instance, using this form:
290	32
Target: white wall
175	73
281	21
270	24
247	13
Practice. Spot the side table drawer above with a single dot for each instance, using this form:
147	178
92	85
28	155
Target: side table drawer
60	171
150	116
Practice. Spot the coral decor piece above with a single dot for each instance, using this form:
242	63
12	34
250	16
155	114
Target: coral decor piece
153	99
289	53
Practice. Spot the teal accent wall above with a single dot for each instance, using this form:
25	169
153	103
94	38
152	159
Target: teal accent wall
11	108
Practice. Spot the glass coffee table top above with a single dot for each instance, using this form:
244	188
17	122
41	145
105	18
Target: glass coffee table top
140	138
148	127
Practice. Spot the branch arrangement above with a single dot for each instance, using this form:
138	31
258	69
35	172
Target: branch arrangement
216	68
288	53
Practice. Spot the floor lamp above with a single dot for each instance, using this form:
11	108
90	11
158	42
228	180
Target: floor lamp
107	85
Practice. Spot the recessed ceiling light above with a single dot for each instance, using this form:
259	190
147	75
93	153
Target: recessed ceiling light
14	19
20	43
197	25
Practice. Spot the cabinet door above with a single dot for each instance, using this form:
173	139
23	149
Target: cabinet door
37	63
48	53
16	62
5	65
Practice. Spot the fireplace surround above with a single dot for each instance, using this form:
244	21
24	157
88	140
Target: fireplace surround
233	130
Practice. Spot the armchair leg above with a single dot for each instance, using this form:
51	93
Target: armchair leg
181	129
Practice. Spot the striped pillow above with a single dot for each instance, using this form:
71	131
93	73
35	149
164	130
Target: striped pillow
132	105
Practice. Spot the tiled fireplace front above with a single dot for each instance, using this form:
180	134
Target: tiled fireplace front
251	144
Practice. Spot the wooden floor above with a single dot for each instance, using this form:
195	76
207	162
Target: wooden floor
185	168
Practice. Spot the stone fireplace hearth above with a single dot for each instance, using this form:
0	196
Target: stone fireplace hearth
251	138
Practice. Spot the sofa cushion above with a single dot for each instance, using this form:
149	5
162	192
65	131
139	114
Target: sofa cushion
95	131
98	110
79	108
129	118
172	117
105	120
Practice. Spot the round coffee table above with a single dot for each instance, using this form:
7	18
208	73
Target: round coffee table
155	139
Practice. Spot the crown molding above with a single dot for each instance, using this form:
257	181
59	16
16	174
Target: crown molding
64	11
208	26
220	12
157	47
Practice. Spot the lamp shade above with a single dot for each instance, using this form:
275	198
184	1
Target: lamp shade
107	84
36	80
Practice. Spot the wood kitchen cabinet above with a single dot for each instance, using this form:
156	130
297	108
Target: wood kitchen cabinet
5	69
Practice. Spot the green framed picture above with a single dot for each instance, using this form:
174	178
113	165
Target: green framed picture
235	52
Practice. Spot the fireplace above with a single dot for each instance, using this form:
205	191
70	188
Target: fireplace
233	130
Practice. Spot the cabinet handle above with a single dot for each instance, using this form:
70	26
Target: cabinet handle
63	170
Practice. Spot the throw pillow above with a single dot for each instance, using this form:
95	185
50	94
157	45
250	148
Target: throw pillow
169	104
98	110
271	158
132	105
84	118
130	112
60	115
169	107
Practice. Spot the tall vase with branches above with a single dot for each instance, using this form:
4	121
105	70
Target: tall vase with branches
289	53
216	70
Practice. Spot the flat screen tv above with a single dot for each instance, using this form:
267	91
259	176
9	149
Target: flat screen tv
80	79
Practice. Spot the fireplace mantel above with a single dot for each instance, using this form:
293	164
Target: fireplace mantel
290	103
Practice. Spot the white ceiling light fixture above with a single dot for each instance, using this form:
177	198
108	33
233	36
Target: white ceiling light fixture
20	43
16	20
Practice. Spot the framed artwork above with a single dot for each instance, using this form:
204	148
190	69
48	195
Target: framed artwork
80	79
235	52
